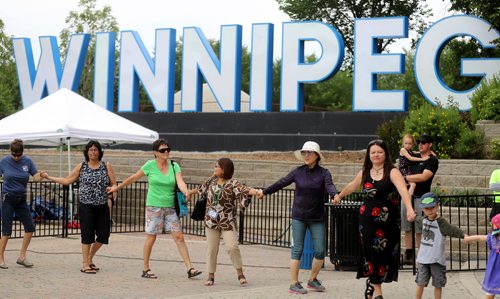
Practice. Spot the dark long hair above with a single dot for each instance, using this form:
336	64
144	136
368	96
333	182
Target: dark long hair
367	165
91	144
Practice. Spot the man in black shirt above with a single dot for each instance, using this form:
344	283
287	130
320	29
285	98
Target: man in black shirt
422	174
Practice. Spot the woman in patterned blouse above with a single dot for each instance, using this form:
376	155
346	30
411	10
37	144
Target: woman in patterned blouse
224	195
95	176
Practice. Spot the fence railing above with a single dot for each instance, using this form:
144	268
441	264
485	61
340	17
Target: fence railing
268	222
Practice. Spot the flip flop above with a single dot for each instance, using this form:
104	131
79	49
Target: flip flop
4	266
93	267
88	271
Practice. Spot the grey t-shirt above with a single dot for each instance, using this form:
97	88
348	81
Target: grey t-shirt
432	246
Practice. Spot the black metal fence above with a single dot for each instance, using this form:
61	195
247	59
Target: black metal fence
267	222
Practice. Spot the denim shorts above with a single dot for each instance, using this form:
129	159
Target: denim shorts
159	220
16	203
426	271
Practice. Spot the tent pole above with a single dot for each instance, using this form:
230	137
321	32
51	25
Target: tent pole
71	185
61	143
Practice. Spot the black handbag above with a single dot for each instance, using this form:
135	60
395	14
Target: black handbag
198	212
200	207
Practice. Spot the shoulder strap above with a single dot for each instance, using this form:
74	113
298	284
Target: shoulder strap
173	168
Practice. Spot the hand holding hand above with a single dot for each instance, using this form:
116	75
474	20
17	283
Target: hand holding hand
44	175
410	215
336	199
112	189
188	195
260	194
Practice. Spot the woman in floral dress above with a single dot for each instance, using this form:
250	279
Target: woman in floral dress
379	219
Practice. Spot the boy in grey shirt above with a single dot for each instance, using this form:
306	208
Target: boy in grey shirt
431	260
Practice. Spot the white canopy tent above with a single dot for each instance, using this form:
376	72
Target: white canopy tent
66	118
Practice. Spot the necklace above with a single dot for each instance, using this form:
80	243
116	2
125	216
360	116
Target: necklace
378	171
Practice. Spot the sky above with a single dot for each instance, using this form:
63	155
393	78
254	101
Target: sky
35	18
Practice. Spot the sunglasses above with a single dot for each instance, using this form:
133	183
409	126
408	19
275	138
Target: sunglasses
16	154
304	153
165	149
422	142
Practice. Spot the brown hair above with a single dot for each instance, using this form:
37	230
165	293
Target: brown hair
227	166
17	146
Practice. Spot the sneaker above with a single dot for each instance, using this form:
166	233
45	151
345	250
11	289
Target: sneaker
297	289
315	285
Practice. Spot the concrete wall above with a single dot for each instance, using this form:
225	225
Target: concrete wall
453	175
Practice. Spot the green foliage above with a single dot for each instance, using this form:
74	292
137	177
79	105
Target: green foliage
470	145
494	151
89	20
486	101
10	97
404	81
486	9
450	63
444	125
334	94
391	132
340	14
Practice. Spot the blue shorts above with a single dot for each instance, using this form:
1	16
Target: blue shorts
159	220
16	203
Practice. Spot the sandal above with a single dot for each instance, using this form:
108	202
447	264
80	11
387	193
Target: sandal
93	267
242	279
88	271
147	274
369	289
210	282
192	273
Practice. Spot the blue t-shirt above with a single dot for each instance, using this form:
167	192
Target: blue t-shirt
16	174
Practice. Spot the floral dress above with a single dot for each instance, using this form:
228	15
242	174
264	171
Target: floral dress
379	230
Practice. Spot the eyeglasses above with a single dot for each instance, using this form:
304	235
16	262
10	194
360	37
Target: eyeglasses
305	153
16	154
165	149
422	142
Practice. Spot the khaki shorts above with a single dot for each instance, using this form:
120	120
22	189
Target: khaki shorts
160	220
405	225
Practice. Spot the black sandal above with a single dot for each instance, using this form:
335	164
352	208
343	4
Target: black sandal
148	274
369	290
193	272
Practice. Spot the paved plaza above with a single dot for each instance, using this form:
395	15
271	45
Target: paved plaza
56	273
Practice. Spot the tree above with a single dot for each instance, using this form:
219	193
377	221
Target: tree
485	9
89	20
341	14
10	97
